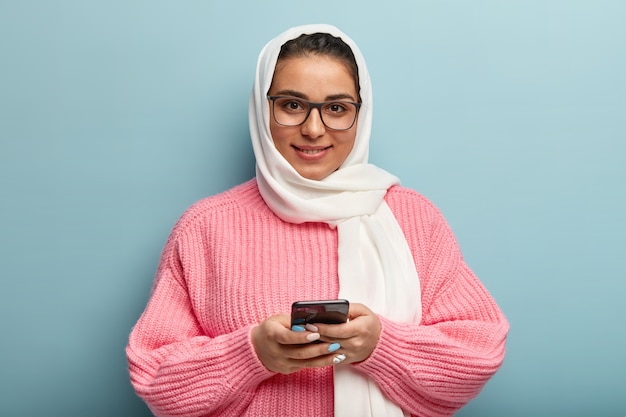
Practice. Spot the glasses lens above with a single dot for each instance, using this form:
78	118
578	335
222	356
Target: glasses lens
337	115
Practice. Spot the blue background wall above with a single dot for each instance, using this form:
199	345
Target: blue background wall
115	116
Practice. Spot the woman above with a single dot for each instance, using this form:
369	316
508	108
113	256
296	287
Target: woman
317	222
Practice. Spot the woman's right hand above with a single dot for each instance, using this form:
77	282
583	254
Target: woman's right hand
285	351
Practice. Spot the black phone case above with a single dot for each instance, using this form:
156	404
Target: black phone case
319	311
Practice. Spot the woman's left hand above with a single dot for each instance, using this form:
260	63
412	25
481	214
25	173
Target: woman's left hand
358	337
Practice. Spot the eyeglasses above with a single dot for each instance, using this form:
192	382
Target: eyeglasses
293	111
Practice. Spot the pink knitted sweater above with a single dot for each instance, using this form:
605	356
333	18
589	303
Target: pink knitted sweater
231	263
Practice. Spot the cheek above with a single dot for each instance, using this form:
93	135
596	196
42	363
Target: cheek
278	137
281	139
275	132
347	145
348	139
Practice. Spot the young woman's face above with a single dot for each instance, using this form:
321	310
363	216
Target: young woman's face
314	150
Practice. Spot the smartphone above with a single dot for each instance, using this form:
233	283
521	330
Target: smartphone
320	311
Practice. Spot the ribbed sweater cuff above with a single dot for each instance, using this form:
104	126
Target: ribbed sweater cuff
392	345
243	367
228	366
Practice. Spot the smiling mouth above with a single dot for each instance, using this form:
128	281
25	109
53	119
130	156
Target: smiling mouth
312	151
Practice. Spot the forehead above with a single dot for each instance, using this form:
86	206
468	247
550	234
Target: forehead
314	76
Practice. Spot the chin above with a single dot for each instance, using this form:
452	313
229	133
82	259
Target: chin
315	176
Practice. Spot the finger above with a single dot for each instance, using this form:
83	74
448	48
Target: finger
326	360
310	334
312	351
336	332
358	309
297	335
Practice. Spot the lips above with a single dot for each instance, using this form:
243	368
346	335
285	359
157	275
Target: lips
311	151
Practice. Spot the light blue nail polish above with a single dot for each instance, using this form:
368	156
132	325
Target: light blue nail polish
333	347
297	328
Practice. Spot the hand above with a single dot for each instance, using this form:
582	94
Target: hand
285	351
358	338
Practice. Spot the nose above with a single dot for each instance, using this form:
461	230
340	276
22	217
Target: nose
313	126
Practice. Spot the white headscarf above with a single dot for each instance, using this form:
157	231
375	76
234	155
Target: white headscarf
375	264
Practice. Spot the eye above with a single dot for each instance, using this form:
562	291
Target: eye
291	105
338	108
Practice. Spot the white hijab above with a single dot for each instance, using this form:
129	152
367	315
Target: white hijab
375	264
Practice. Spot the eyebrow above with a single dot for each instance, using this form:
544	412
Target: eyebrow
303	96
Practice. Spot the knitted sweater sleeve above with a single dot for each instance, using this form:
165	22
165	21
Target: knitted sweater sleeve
174	367
436	367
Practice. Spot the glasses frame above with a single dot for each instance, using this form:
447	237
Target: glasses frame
314	105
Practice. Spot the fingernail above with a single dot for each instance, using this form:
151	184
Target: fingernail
312	337
310	327
333	347
297	328
339	358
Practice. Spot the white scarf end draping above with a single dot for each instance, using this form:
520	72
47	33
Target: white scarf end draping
383	278
373	404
